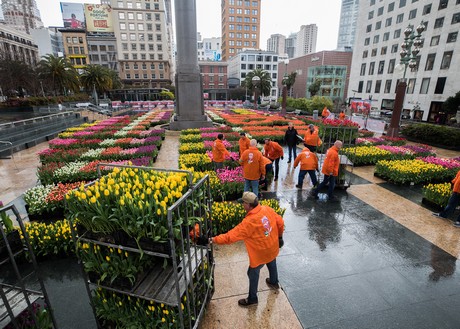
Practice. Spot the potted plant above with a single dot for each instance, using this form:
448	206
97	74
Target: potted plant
11	235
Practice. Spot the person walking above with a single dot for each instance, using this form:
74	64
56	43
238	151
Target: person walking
244	143
263	182
262	233
290	139
253	167
274	152
311	139
330	170
308	164
453	201
219	152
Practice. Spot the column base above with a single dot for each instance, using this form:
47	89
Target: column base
393	132
188	124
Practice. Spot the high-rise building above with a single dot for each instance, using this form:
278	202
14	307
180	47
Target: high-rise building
22	15
306	40
240	26
290	45
276	43
347	24
434	77
142	30
49	41
209	49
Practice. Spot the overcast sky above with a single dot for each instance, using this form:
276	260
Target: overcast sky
278	16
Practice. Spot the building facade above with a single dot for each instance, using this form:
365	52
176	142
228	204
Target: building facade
347	24
22	15
250	59
290	45
214	78
17	46
102	50
380	32
240	26
209	49
277	44
331	67
75	47
306	40
49	41
143	44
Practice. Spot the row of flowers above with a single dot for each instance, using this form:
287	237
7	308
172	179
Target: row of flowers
382	140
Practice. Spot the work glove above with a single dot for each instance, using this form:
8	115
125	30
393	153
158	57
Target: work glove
282	158
202	240
281	241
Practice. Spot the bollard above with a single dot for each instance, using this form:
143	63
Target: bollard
315	114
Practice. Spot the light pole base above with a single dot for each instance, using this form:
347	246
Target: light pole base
393	132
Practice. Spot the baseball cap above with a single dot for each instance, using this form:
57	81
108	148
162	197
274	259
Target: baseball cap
248	197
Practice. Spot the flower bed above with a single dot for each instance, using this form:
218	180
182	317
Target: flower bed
410	171
438	194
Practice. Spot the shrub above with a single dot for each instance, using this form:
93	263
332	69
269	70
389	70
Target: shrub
433	134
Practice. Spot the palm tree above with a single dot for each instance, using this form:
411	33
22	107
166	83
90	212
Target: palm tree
96	77
59	72
290	80
265	84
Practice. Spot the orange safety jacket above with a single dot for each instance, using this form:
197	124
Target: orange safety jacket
325	113
456	182
244	144
219	152
312	138
266	161
331	162
260	230
308	160
342	116
253	164
273	150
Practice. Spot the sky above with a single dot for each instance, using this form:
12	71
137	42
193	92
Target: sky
283	17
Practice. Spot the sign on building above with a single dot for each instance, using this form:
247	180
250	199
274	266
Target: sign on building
98	18
73	15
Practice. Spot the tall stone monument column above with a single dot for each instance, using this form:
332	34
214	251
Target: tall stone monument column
189	90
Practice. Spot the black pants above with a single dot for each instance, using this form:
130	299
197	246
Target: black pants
276	164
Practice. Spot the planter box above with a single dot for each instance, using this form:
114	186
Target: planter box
431	205
46	217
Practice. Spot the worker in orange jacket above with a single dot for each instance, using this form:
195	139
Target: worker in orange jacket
330	170
244	143
325	112
274	152
453	201
253	167
311	139
262	233
263	183
308	164
342	115
219	152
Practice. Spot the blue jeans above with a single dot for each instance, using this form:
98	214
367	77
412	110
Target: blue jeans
327	179
251	185
303	173
292	149
451	205
253	275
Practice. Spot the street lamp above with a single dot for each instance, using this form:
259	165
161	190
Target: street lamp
285	82
255	83
408	58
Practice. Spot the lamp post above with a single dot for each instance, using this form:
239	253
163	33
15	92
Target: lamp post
255	84
408	58
285	80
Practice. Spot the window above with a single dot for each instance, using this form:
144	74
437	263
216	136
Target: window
360	86
126	66
128	76
131	16
386	36
417	63
412	13
378	84
371	15
424	86
397	34
452	37
402	3
139	16
367	41
374	52
70	50
381	66
430	62
443	5
363	69
456	18
439	89
434	40
369	87
446	59
410	86
439	22
427	9
387	87
121	15
371	68
388	22
378	25
369	28
391	7
394	48
131	26
380	11
383	51
136	66
133	46
76	50
391	65
399	18
124	46
365	54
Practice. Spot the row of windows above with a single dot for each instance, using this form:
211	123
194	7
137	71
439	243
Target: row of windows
425	85
259	58
231	35
144	66
138	5
142	47
439	22
74	40
241	2
142	57
78	61
220	79
139	36
220	69
429	64
240	19
402	3
233	50
240	11
76	50
239	27
139	16
145	76
140	27
266	67
239	43
102	48
95	58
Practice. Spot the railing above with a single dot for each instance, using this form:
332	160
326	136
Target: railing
44	118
